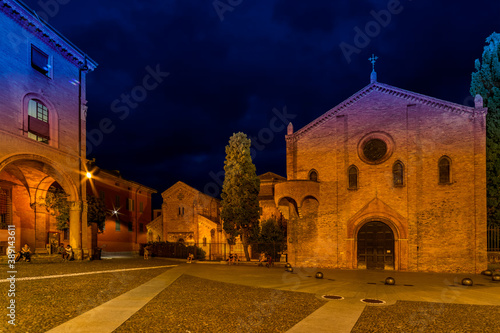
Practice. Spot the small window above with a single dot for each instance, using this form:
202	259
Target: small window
444	166
313	175
204	241
398	173
130	226
38	121
117	224
40	61
353	177
130	205
141	227
117	202
181	211
141	207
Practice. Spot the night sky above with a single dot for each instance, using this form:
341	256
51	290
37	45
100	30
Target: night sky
251	66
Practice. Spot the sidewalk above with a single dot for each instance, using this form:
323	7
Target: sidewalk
351	285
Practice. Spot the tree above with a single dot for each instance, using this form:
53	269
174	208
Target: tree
96	211
271	232
240	190
486	82
57	204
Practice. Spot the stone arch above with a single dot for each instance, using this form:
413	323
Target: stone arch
393	221
13	163
288	207
309	206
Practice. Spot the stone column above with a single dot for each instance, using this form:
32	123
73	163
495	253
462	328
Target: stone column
75	228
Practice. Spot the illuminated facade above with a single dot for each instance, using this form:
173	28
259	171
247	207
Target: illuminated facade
128	210
388	179
42	128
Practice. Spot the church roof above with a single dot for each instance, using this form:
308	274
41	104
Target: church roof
270	176
411	97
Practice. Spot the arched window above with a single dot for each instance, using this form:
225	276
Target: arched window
444	166
38	121
313	175
353	177
398	173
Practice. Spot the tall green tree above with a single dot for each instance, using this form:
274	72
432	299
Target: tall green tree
240	190
486	82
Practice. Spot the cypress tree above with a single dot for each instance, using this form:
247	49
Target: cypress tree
486	82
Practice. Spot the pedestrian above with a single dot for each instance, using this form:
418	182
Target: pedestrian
190	258
146	252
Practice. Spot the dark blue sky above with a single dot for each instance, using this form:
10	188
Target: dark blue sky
232	62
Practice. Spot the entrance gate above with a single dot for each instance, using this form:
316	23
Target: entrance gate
375	246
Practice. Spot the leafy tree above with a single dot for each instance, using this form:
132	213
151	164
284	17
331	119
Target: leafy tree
57	204
96	211
486	82
240	205
271	232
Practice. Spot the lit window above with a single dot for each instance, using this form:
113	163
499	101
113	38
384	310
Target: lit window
444	166
130	205
397	172
40	61
117	224
353	177
38	121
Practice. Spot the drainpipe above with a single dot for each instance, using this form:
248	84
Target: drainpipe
84	68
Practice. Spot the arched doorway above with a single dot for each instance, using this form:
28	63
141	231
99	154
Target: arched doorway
375	246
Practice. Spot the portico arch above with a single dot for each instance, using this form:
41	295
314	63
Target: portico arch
28	177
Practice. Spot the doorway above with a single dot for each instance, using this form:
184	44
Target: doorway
375	246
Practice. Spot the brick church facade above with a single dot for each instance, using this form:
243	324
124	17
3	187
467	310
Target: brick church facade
388	179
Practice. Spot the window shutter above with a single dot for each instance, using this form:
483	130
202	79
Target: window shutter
38	127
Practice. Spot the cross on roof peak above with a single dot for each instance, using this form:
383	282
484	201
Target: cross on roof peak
372	59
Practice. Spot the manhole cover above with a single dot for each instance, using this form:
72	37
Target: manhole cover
332	297
372	301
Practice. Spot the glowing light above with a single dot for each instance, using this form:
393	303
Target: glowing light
115	212
89	175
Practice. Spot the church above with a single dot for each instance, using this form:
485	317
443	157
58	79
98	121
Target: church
388	179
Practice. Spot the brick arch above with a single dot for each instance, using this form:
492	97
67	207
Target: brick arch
398	230
49	167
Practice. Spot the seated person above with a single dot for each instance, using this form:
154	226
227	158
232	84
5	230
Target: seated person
146	252
190	258
25	253
262	258
69	253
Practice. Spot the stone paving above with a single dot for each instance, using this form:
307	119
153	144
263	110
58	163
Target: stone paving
409	298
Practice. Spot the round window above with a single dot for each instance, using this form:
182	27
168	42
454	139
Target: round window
375	147
374	150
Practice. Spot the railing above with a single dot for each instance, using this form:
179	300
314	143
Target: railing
214	251
493	238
